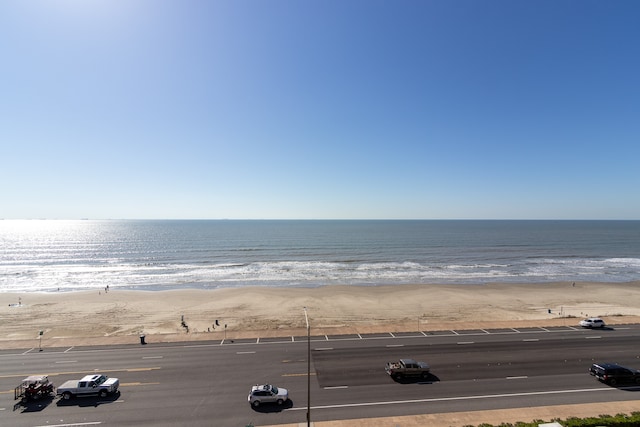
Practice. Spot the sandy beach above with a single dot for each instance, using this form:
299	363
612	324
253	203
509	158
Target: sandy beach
120	316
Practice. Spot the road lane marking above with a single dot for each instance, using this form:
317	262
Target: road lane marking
395	345
136	383
521	377
447	399
245	352
323	348
91	423
67	361
336	387
69	349
466	342
52	374
155	368
592	338
531	340
298	375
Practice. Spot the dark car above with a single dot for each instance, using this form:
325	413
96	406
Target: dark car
613	374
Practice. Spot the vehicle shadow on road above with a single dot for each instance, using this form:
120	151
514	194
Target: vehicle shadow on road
626	387
429	379
266	408
84	402
34	405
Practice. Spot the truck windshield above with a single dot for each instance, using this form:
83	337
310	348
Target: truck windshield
100	379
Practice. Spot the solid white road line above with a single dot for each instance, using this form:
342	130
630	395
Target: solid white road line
445	399
72	425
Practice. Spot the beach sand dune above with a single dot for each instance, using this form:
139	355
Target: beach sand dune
94	317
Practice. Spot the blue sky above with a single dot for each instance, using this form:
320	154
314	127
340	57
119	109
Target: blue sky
320	109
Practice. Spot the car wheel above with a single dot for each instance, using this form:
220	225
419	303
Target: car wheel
613	381
103	393
425	375
280	402
66	395
255	403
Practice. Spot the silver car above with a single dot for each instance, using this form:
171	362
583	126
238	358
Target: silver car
267	394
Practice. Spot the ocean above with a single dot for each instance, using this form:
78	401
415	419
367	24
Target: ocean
52	255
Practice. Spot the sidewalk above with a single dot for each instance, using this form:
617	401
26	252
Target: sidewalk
475	418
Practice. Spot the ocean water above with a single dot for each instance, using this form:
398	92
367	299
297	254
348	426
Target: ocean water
50	255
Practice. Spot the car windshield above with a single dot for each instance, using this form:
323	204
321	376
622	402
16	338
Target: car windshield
100	379
274	389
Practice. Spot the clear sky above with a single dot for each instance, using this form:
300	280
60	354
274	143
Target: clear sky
320	109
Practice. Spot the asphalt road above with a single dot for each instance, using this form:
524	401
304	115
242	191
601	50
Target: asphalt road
206	384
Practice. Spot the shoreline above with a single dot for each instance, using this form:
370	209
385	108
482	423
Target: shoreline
120	316
204	288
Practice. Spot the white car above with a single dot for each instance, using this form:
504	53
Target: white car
267	394
592	322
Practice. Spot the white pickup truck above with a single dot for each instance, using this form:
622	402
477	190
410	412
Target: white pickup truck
89	385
